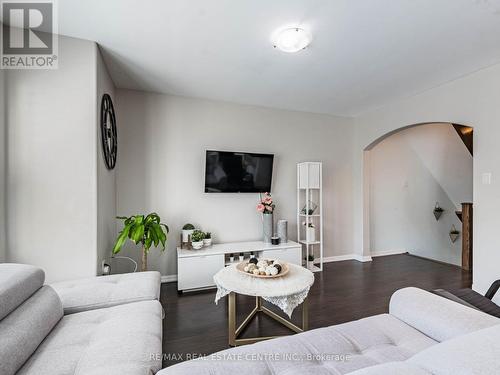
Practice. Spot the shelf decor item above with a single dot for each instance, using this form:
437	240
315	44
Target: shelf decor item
438	211
266	207
197	239
187	230
282	230
207	241
310	213
310	232
309	208
454	234
144	230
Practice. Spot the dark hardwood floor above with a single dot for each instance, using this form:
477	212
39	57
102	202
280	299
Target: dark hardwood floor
344	291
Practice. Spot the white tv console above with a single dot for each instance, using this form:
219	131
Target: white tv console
196	268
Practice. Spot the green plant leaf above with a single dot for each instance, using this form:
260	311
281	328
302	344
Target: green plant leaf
154	236
148	242
160	234
137	233
121	239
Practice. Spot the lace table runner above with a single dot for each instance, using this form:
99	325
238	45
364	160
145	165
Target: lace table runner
286	292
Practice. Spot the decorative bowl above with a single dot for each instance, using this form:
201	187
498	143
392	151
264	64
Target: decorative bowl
284	270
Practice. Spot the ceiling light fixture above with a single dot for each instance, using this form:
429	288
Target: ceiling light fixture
292	39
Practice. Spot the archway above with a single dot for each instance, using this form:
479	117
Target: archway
439	175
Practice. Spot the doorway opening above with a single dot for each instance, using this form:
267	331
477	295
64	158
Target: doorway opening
418	196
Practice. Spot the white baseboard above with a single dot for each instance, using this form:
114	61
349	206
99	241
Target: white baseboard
388	252
340	258
337	258
362	258
169	279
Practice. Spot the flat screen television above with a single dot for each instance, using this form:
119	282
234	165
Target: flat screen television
238	172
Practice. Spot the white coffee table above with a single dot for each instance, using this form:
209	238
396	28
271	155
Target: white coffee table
286	292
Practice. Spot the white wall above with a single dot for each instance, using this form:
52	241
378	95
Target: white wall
106	179
473	101
410	171
162	145
3	150
444	154
51	164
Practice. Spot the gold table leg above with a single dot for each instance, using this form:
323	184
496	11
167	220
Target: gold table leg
232	318
305	315
235	332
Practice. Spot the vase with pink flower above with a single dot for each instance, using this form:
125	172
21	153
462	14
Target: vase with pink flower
266	208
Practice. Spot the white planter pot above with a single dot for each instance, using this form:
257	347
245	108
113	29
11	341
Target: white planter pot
197	245
310	234
186	233
207	242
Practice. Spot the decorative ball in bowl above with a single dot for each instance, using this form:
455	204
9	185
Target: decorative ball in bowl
263	268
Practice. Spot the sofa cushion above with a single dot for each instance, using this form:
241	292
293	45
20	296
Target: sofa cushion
26	327
337	349
437	317
17	283
475	353
106	291
120	340
392	368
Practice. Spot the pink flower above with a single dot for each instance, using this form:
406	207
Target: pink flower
269	208
260	207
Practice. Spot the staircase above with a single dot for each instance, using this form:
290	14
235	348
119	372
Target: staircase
466	133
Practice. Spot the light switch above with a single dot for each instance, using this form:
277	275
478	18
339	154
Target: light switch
486	177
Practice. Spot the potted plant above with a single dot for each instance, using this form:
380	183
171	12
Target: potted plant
266	207
454	234
197	239
207	241
187	230
144	230
438	211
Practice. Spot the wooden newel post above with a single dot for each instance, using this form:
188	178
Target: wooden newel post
467	236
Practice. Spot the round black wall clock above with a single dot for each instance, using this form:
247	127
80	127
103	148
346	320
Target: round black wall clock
109	138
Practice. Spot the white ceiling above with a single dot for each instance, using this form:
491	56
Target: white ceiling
364	54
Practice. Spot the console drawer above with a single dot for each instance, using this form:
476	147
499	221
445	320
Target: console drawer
198	272
292	255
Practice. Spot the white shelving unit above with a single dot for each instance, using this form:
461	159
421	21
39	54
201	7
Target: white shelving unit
310	192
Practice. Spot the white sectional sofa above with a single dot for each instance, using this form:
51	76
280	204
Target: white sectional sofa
36	338
107	291
423	334
113	326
